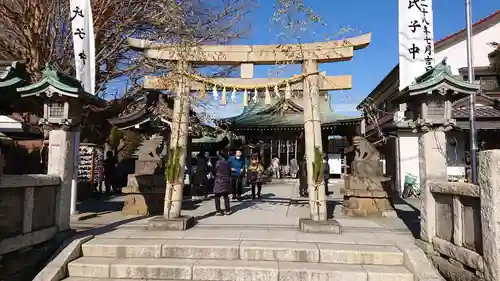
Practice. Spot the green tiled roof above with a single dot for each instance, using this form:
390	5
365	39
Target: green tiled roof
283	113
60	83
438	76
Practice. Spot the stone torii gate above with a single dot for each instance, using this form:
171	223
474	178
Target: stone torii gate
313	83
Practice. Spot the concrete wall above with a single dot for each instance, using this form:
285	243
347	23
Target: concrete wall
28	221
464	223
408	156
457	53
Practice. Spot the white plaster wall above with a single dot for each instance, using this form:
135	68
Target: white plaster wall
457	54
408	157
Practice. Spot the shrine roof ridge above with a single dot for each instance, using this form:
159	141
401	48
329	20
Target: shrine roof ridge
330	51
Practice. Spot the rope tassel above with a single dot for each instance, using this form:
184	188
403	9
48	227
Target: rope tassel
255	95
224	96
203	92
245	98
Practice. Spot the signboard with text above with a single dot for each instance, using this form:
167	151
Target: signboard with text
416	40
83	42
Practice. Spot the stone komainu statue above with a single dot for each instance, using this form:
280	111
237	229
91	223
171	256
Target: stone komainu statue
366	161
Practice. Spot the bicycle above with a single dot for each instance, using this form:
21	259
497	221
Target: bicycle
411	187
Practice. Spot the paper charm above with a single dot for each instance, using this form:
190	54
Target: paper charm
255	95
215	93
233	96
267	97
277	91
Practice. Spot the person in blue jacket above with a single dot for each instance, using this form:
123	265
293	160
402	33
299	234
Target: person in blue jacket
238	168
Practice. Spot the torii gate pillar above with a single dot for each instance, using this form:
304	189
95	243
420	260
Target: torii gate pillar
312	131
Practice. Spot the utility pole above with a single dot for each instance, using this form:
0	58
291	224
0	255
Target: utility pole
472	99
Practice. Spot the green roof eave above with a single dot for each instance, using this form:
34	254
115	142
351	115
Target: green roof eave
439	78
55	82
263	116
14	75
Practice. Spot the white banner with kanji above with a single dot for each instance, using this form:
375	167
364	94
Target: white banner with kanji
416	40
83	41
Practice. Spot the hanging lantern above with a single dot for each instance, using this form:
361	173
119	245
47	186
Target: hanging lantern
267	97
233	96
288	91
224	96
203	92
215	93
277	91
255	95
245	98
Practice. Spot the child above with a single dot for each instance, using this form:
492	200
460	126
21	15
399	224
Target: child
255	171
222	185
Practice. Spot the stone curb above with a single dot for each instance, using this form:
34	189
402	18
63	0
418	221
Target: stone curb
417	263
57	269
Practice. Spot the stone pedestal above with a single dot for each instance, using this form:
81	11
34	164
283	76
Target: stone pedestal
366	189
61	160
432	160
148	167
328	226
144	195
179	224
489	182
365	203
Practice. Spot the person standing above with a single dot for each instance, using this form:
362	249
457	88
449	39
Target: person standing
238	165
222	184
294	167
200	176
326	174
303	177
254	175
276	167
110	164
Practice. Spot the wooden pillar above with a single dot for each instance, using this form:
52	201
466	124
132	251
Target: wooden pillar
296	148
312	129
287	153
178	140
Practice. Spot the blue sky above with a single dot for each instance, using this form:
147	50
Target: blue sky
370	65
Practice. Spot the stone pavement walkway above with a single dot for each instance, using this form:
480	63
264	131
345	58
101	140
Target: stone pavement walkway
274	212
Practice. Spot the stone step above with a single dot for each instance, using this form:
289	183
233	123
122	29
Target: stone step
243	250
229	270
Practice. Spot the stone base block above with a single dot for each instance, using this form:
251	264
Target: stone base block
143	204
366	206
329	226
162	223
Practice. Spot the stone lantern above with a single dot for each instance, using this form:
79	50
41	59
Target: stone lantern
429	100
63	98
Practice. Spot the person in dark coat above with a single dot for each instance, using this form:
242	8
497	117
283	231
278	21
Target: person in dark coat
303	177
110	164
326	174
200	176
222	185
